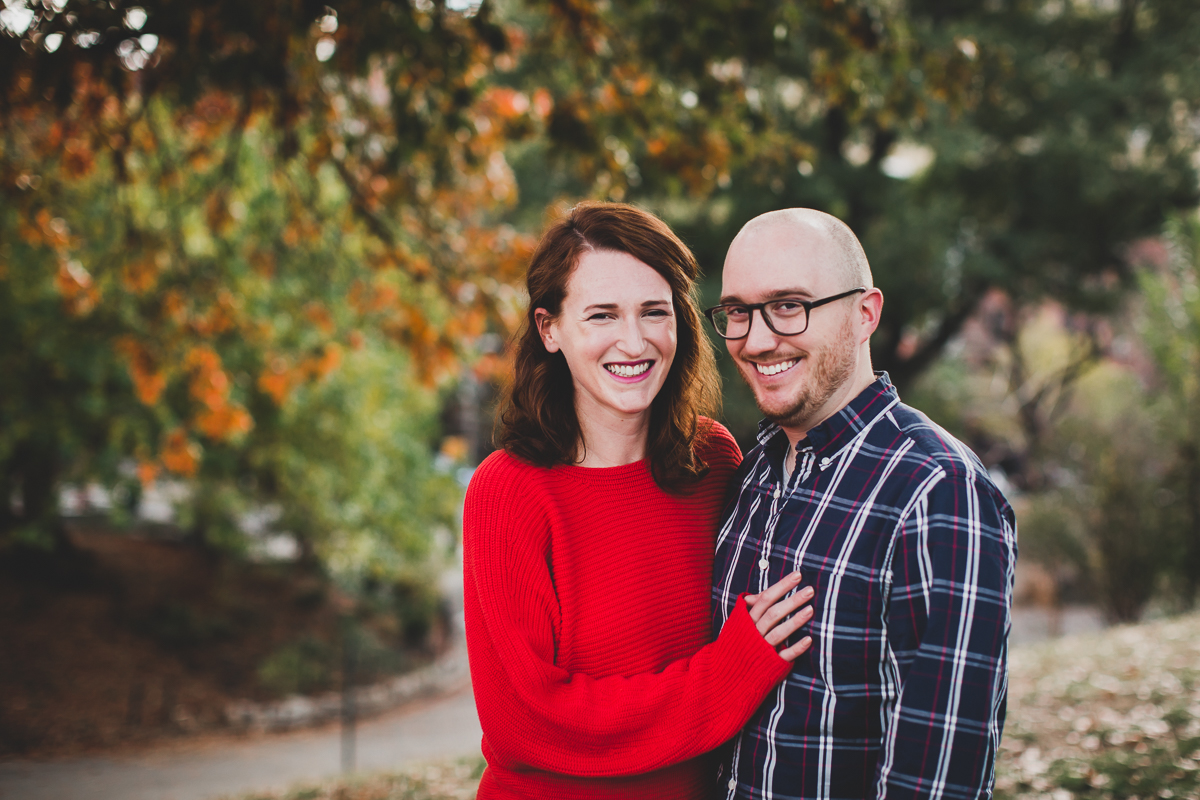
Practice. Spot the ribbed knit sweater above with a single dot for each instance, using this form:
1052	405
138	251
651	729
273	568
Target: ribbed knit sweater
587	597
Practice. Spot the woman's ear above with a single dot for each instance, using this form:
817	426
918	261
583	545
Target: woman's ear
545	326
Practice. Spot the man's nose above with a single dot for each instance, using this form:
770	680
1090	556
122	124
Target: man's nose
760	339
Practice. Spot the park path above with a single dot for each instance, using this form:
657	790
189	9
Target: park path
212	767
425	731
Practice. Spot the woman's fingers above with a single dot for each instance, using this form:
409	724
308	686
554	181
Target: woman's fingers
762	602
780	633
776	612
796	650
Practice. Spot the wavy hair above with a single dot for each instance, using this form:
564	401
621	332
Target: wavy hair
538	423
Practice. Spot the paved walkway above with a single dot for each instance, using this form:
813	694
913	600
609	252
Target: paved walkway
435	729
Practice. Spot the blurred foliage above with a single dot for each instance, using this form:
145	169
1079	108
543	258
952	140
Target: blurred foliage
305	666
242	246
1096	423
1170	326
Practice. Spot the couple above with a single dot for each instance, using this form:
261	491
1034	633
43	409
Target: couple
850	640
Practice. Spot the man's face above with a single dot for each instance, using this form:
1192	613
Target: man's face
798	381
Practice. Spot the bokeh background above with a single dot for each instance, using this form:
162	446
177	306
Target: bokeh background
260	263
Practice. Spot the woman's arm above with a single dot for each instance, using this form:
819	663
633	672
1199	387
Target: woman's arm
537	715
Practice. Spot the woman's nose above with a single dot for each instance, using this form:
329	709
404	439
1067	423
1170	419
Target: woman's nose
633	341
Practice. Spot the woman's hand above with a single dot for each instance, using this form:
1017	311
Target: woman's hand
777	618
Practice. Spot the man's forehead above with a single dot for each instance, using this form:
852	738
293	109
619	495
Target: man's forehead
762	265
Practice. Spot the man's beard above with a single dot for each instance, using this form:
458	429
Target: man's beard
830	369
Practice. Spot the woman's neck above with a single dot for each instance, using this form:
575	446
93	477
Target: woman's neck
609	439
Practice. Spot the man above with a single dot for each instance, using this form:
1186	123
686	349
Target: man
908	543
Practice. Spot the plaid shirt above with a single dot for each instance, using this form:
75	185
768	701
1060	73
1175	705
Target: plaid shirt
910	547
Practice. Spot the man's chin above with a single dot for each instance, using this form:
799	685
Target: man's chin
781	413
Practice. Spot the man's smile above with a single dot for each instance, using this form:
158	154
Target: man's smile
776	368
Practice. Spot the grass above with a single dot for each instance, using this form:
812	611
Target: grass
1109	716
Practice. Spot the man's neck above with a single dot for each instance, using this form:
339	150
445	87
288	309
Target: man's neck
840	399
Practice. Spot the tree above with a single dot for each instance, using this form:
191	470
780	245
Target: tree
206	208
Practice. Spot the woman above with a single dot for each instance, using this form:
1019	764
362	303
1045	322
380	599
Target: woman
588	538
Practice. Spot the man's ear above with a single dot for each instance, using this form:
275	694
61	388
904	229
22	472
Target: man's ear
545	326
870	309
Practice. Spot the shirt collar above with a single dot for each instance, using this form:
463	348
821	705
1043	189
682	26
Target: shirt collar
837	431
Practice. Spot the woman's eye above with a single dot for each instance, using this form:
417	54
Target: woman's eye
657	312
600	316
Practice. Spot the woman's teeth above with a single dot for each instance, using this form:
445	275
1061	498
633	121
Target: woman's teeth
625	371
774	369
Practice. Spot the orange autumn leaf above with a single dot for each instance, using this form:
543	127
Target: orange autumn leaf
140	276
319	315
209	383
180	454
147	471
275	381
225	422
149	380
329	360
507	103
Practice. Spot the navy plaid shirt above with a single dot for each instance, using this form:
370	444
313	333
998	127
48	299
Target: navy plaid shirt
910	547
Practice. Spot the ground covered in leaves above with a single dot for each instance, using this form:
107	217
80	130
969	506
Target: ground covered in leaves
448	780
1110	716
1105	716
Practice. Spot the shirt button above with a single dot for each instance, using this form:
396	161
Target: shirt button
732	784
824	463
776	492
763	563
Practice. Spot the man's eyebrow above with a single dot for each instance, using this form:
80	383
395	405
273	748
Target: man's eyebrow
778	294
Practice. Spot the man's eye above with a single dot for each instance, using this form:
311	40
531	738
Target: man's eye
736	312
787	307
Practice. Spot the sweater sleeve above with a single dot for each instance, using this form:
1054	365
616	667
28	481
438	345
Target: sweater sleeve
535	714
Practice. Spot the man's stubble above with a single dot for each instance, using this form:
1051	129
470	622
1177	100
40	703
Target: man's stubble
829	369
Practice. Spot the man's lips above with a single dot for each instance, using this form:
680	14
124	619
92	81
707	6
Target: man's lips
629	369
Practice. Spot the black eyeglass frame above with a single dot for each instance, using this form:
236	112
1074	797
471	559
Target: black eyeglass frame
809	305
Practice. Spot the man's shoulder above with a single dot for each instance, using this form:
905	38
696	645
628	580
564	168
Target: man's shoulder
933	449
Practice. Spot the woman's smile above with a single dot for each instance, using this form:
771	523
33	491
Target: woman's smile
630	371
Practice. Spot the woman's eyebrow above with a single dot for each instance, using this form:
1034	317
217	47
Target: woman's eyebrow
613	306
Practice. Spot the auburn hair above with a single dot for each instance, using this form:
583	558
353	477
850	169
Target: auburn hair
537	422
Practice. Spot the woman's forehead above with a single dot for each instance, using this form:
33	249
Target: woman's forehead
610	276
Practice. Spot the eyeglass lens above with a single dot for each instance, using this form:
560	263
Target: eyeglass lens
784	317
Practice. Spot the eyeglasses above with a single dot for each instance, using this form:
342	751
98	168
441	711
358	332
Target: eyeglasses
786	317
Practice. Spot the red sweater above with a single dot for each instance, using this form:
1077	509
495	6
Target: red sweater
588	627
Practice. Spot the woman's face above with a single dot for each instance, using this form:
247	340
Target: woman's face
617	331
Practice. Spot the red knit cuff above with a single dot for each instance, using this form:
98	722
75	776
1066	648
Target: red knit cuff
755	652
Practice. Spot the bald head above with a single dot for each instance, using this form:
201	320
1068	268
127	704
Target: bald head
812	228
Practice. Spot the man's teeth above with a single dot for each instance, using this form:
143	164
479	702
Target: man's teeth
626	371
774	369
